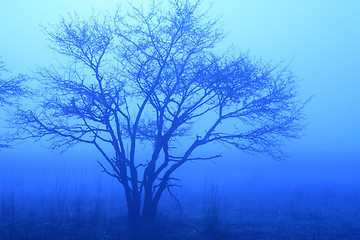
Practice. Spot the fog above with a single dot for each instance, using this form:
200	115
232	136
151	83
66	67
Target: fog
318	39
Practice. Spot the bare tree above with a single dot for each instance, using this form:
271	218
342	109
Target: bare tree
154	77
11	88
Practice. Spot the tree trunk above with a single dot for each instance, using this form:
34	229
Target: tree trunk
133	214
149	210
133	207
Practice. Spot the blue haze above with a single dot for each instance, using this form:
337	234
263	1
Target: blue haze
319	39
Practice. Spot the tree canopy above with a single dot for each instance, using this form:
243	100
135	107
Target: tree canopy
11	89
156	76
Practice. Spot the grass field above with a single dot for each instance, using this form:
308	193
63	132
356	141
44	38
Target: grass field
73	210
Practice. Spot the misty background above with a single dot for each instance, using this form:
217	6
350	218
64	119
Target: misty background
319	39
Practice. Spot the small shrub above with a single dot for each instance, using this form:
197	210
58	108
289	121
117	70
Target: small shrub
213	219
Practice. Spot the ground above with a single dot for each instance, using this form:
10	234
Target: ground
323	211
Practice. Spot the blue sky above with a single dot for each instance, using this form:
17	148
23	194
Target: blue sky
321	39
